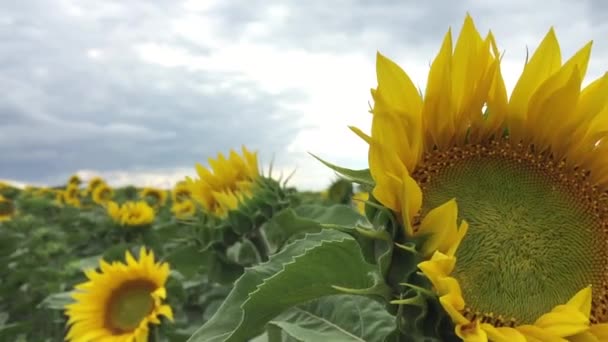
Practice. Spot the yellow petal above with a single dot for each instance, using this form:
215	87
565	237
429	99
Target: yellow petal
545	61
395	88
439	225
437	109
582	301
503	334
537	334
569	319
471	332
411	201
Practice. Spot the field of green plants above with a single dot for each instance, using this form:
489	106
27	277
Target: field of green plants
279	265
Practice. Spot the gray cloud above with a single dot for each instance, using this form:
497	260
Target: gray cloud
64	110
76	93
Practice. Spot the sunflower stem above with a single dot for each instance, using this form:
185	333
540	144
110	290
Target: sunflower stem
260	245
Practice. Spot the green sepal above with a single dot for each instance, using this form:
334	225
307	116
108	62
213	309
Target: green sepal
362	177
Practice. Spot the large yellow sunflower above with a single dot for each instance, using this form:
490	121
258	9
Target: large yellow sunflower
119	302
229	182
529	260
7	209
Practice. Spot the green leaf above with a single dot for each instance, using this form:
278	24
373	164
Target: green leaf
292	222
188	260
57	301
338	214
363	177
337	318
305	270
285	225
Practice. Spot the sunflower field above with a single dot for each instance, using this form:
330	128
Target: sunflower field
480	217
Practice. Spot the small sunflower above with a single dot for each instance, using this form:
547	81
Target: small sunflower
131	214
228	183
94	183
154	197
119	302
181	192
102	193
75	180
70	196
359	199
184	209
530	263
7	209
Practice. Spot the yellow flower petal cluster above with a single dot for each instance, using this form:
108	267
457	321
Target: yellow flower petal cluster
69	196
75	180
155	197
94	183
184	209
131	213
102	193
226	183
120	301
181	192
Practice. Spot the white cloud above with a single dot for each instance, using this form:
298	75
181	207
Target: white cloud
151	96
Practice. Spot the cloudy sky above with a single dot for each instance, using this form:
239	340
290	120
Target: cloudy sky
138	91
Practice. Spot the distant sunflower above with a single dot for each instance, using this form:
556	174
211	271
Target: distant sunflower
7	209
154	197
94	183
131	214
102	193
228	182
119	302
181	192
530	175
184	209
71	195
359	199
74	179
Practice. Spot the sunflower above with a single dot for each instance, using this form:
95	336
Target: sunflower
119	302
181	192
359	199
94	183
529	259
183	209
70	196
74	179
7	209
154	197
228	183
131	214
102	193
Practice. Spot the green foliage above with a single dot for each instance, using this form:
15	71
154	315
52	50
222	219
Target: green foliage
306	269
361	177
335	318
283	266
